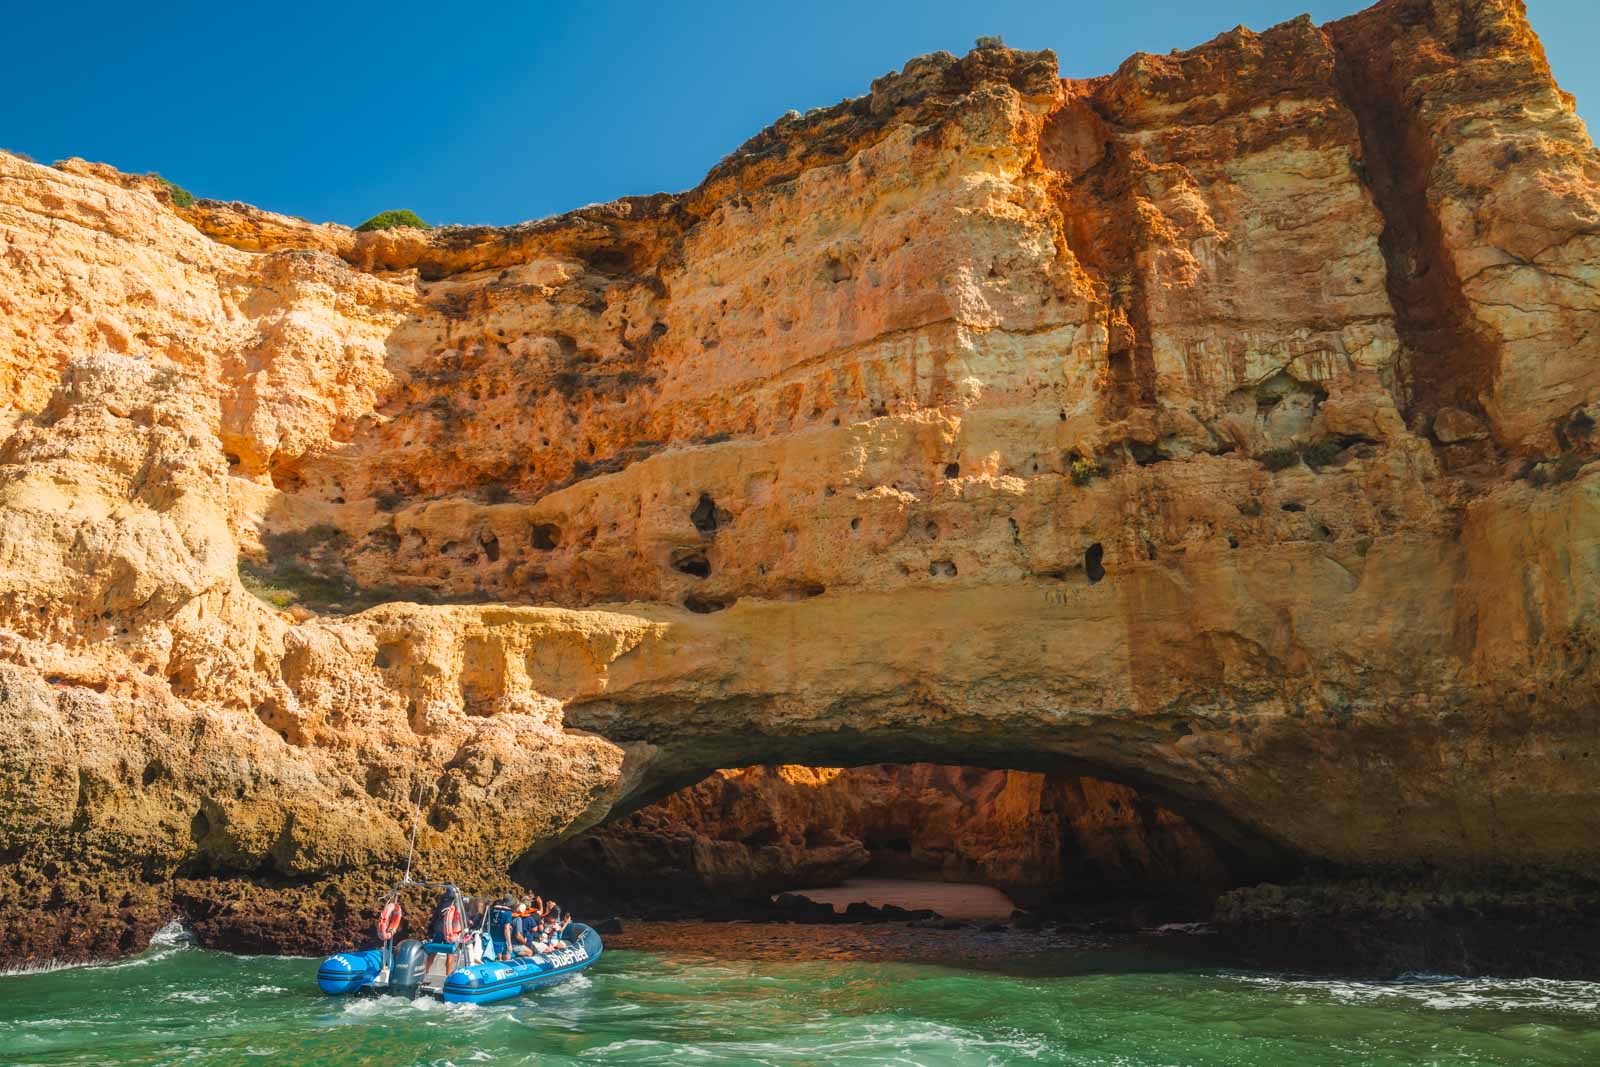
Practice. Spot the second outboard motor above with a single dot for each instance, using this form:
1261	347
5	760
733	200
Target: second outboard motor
407	970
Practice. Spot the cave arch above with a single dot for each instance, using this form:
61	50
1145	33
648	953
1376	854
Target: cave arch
1060	844
674	746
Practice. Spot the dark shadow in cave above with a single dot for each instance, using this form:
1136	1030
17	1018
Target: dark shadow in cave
1058	844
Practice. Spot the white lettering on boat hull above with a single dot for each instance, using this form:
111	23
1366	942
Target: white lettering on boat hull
564	958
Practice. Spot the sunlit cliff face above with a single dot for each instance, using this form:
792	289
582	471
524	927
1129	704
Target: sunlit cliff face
1221	428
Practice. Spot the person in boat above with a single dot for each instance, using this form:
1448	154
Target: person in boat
439	927
502	923
553	926
524	931
551	938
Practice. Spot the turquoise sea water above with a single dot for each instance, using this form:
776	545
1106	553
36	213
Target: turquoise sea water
178	1004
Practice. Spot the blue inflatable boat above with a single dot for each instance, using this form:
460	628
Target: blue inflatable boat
417	968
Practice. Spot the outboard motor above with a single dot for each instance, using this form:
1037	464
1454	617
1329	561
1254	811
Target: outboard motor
408	969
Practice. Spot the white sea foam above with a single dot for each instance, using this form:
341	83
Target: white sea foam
359	1009
877	1041
619	1046
164	942
578	983
1442	992
173	933
23	970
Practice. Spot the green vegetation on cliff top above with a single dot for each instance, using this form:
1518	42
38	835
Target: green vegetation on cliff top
181	197
388	220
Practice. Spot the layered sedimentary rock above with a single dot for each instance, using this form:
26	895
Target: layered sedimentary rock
1221	427
742	834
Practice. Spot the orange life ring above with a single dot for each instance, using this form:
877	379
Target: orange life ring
389	921
452	924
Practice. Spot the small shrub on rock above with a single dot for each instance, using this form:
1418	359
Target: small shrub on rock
388	220
1278	459
181	197
1319	454
1085	470
264	588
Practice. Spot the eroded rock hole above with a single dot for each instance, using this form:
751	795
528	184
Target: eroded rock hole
693	563
545	537
707	517
978	842
1093	567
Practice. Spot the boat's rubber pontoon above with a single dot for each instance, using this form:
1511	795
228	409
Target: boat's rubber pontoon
485	983
415	967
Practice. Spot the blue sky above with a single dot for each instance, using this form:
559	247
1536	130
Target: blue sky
499	113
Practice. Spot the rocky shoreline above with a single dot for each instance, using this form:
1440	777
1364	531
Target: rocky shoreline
1354	927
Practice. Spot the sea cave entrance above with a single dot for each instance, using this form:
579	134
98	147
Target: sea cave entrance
1058	845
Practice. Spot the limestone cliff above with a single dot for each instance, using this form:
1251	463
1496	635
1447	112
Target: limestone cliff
1222	427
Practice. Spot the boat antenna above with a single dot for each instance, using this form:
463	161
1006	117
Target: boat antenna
416	817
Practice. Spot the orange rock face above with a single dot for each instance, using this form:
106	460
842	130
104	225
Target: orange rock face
1221	427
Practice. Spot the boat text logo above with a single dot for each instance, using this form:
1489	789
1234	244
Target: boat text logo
566	956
